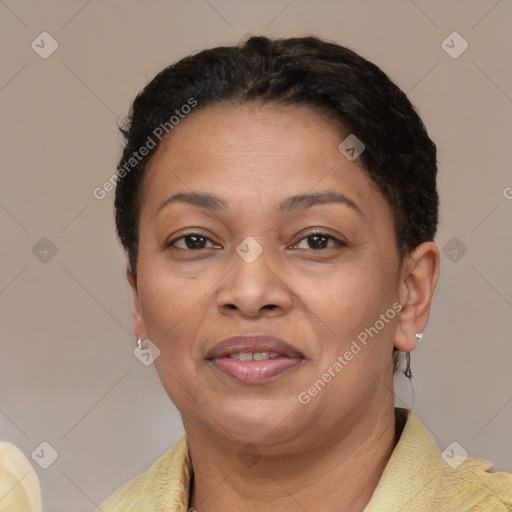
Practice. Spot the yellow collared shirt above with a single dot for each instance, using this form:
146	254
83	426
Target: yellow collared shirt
415	479
20	490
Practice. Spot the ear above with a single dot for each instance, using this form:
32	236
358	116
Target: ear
139	327
418	279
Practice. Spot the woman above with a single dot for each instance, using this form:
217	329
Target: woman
277	203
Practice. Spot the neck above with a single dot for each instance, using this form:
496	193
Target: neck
338	473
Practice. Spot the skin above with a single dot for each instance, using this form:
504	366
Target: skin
328	454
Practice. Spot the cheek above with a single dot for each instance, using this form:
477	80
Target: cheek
172	310
347	310
168	303
349	298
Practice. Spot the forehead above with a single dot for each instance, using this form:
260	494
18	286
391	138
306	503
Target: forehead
251	154
227	133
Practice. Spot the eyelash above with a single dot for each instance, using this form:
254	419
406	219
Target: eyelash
338	242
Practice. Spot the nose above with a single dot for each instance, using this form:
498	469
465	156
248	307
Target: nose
254	287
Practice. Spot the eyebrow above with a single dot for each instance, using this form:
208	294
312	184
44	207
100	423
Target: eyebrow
290	204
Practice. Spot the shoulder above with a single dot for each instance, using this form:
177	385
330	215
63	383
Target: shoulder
419	477
462	483
19	485
164	484
459	482
470	487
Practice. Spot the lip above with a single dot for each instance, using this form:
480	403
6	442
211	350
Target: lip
252	343
254	372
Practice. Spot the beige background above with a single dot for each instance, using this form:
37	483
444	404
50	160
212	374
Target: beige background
68	375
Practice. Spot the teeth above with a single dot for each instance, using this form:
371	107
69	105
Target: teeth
261	356
257	356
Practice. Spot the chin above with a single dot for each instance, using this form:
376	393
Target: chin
260	425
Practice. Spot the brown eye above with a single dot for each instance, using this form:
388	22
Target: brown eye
318	241
192	241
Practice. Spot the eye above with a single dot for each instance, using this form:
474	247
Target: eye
196	241
192	241
320	240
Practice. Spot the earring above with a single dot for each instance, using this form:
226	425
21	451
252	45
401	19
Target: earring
139	344
407	371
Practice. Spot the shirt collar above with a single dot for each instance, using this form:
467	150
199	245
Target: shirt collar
410	476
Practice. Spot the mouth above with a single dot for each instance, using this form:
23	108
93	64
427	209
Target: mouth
254	359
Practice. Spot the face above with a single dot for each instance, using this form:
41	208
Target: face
322	274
